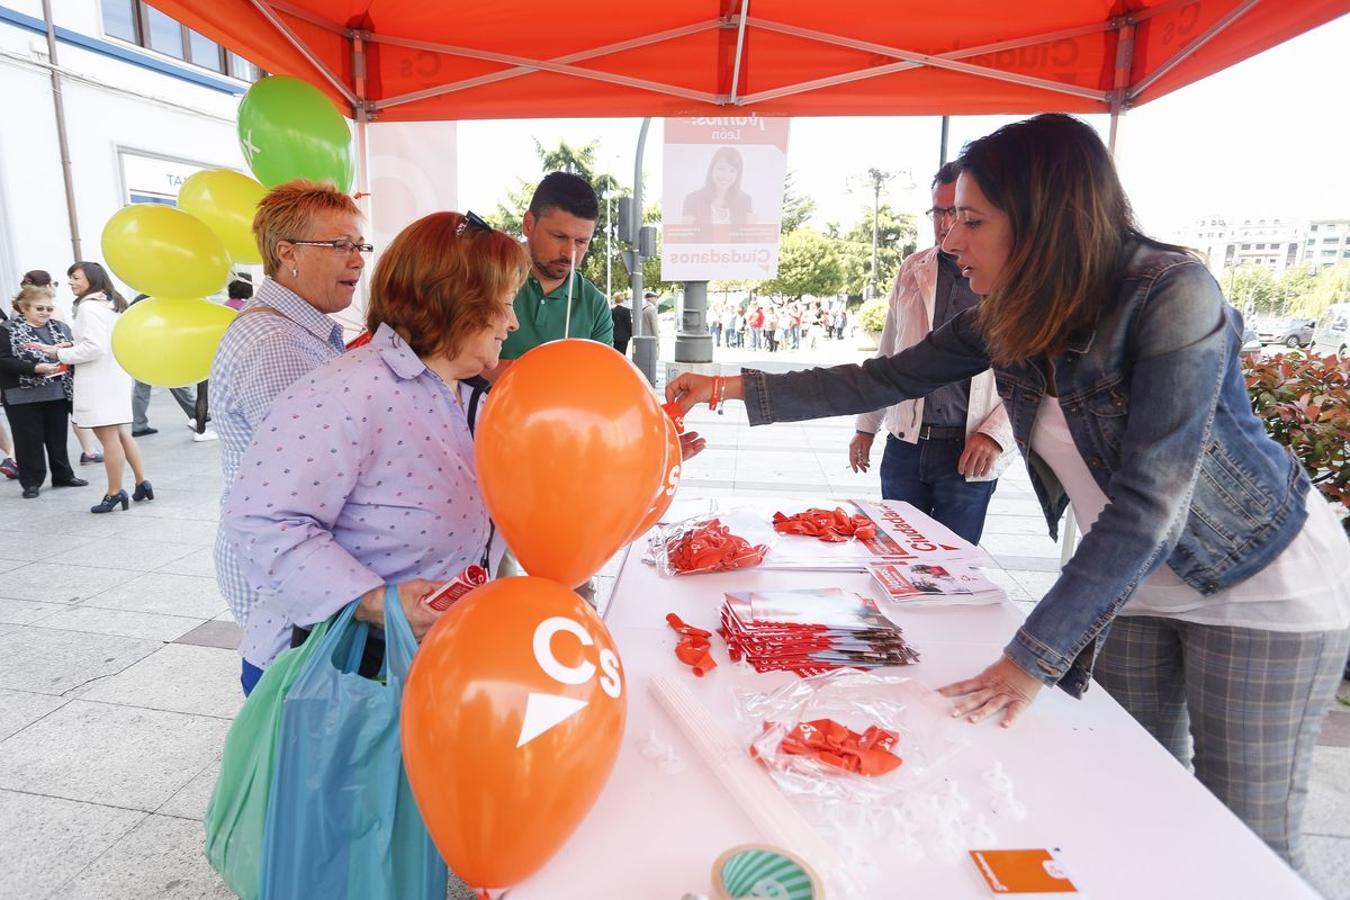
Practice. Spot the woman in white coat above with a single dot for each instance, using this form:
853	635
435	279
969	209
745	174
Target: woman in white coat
102	387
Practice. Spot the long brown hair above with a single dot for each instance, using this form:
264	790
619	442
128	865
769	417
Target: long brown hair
1054	179
99	283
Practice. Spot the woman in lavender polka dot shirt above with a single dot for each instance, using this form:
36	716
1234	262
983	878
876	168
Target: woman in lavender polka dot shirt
362	474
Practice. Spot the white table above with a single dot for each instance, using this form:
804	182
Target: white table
1129	820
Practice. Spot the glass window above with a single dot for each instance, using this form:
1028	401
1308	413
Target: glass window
119	19
243	69
205	52
166	35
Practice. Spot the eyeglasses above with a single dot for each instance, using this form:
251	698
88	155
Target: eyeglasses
345	246
43	308
940	212
472	220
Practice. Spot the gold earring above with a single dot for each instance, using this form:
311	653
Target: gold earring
295	273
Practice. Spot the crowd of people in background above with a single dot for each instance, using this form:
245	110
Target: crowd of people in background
773	327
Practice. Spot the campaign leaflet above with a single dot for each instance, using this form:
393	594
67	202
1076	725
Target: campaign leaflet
811	631
927	584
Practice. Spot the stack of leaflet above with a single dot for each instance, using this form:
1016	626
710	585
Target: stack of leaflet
928	584
811	631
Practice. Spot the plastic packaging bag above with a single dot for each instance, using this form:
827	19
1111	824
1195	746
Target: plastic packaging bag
735	539
915	807
342	823
238	809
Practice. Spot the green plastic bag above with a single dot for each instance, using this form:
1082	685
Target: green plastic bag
238	809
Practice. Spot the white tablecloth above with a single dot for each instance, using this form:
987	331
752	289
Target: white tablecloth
1129	821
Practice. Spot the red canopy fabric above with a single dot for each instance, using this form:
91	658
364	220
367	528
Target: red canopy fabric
501	59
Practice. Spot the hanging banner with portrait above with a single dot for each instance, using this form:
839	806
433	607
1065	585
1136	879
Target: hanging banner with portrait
722	197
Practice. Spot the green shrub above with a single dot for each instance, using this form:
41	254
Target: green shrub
1305	404
873	315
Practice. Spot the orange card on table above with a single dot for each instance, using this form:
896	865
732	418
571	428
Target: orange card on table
1023	872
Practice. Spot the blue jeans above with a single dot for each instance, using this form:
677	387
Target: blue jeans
925	476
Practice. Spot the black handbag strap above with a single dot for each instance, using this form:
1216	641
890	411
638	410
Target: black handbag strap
480	386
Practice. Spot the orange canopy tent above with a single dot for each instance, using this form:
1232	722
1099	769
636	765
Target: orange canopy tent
397	60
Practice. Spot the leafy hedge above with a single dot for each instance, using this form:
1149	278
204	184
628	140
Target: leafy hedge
1305	404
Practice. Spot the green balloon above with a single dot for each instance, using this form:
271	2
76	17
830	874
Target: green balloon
289	129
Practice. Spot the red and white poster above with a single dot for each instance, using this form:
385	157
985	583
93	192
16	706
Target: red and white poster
722	197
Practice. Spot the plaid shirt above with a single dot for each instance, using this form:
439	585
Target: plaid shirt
260	357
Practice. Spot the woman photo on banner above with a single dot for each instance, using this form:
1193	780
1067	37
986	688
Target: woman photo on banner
720	201
1210	594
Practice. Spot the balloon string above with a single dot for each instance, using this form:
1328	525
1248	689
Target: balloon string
571	276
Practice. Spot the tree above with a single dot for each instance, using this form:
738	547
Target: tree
808	265
897	238
797	208
1251	289
578	161
1330	285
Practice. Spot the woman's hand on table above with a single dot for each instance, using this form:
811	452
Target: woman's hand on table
410	593
1003	687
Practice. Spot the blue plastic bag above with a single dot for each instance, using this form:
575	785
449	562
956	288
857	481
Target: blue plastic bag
342	823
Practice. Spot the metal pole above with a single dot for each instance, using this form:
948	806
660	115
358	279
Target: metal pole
693	343
876	213
942	148
609	247
59	103
644	345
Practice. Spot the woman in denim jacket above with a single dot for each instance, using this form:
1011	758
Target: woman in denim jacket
1210	592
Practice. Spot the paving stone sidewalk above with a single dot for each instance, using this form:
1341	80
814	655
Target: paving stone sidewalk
118	677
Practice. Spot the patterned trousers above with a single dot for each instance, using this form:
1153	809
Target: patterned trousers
1250	703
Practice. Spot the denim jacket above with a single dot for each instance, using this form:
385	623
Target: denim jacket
1157	405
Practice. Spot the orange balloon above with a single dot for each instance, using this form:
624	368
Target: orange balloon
512	718
570	451
666	493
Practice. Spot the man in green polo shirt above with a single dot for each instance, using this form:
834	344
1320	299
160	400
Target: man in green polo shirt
558	228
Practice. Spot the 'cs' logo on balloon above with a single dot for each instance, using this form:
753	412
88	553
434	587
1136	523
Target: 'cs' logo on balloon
543	711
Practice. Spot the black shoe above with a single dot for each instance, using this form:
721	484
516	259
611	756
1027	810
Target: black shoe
75	481
142	432
143	492
110	502
30	493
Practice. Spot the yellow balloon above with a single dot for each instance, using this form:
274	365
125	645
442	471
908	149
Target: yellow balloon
169	342
165	252
226	201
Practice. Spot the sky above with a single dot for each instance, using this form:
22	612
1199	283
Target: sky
1269	137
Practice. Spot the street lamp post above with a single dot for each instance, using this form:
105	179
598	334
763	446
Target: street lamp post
609	247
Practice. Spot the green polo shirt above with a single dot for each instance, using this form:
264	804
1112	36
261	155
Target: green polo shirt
542	315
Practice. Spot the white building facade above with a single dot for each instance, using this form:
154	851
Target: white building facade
147	103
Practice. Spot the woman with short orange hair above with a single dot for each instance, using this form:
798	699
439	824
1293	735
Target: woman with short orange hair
363	474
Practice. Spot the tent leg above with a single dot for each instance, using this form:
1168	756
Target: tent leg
1111	142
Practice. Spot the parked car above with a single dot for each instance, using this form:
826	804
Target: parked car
1333	332
1289	331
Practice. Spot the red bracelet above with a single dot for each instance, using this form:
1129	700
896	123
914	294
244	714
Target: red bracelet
717	388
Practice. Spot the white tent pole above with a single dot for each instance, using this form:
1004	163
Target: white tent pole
580	56
905	66
1233	15
265	7
944	61
1124	68
740	49
547	66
